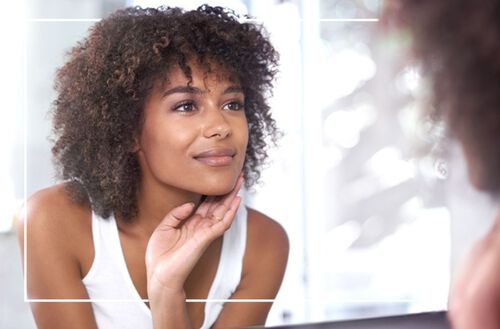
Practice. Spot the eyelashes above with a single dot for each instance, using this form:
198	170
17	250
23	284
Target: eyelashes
191	106
184	106
234	106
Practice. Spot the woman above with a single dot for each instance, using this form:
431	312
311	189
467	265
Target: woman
159	117
458	44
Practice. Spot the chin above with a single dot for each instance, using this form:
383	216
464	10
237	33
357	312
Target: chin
217	187
483	166
485	184
483	179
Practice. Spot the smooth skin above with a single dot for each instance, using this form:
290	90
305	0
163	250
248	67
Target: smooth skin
172	247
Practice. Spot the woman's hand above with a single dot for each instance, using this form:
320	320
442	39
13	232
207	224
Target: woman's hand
181	238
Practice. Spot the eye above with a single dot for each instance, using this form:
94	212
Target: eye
233	106
186	106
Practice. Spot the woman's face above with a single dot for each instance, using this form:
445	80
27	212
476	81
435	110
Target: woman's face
194	137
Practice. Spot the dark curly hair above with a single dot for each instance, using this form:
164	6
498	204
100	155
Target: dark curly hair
458	44
103	86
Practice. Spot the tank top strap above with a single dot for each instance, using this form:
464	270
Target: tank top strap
96	239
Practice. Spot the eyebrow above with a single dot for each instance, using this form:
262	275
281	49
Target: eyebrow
195	90
233	89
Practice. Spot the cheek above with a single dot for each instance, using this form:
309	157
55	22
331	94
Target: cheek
242	138
165	131
161	146
243	131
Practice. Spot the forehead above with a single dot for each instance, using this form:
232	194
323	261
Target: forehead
202	76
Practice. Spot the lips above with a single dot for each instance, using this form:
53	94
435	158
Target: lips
216	157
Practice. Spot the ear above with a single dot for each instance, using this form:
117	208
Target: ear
136	146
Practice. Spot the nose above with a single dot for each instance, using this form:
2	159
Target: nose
216	125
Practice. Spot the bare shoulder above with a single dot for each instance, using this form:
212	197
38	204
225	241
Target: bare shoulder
54	224
52	211
267	241
265	230
58	242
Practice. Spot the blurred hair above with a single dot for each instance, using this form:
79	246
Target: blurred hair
458	44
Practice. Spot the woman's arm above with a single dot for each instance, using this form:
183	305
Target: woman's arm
264	266
52	266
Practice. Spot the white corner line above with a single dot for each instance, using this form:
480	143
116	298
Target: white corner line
335	20
369	20
107	300
24	211
62	20
73	20
25	279
256	300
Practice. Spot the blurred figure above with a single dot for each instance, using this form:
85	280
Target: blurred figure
458	44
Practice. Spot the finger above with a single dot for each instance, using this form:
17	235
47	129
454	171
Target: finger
177	215
208	205
204	206
230	214
215	202
225	214
226	199
216	226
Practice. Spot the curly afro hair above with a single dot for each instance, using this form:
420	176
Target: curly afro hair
103	86
458	43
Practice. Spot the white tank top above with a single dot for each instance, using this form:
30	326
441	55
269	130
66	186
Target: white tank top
116	302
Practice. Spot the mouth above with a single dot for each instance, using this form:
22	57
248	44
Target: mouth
216	157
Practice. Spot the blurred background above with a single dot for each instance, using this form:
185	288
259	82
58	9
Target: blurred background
372	193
